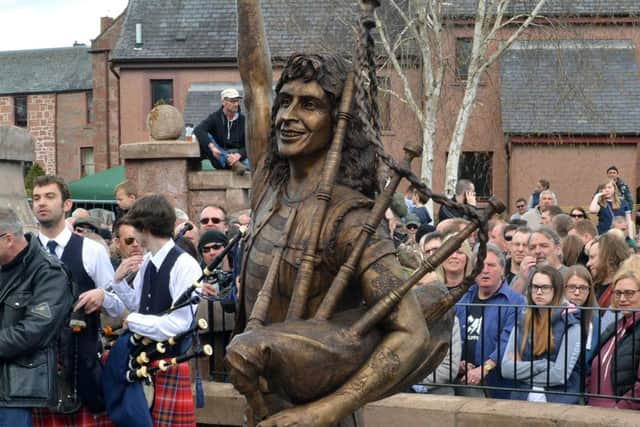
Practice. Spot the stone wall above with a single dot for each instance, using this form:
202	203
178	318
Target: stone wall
41	121
224	407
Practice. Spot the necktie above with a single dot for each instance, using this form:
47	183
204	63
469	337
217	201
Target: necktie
51	245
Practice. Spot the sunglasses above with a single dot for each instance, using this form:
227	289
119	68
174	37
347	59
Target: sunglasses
80	229
412	227
519	206
214	247
577	216
129	240
205	221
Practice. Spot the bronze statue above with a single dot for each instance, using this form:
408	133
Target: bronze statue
328	319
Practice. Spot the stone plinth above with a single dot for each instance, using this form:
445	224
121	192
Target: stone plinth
160	167
220	187
172	167
224	406
16	147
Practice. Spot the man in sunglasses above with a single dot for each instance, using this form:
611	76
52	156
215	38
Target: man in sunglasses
211	244
213	217
521	209
127	249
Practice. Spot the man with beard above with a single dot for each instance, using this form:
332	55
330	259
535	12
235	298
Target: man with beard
92	274
127	249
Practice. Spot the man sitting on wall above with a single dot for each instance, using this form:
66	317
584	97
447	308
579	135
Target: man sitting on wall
221	135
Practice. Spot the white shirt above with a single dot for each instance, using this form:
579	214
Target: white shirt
96	262
185	271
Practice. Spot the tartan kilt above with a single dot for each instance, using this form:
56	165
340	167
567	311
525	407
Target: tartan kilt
173	399
43	417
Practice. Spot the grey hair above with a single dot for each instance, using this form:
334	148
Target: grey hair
496	251
548	233
9	222
553	195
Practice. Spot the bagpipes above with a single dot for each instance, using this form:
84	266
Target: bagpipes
134	359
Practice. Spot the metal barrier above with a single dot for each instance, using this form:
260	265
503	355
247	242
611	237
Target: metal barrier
558	373
508	319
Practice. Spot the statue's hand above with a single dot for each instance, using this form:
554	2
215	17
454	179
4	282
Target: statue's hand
316	415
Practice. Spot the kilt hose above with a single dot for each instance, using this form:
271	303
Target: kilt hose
43	417
173	399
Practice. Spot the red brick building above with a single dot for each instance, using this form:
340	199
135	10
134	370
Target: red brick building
68	100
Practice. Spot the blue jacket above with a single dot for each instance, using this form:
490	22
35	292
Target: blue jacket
497	324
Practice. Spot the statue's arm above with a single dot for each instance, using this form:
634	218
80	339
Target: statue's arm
254	60
402	349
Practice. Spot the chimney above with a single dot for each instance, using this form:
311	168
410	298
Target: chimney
105	22
138	44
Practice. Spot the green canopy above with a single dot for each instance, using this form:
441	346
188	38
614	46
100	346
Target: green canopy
99	186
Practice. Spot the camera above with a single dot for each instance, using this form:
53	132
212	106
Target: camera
222	282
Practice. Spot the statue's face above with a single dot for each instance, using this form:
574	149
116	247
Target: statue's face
303	120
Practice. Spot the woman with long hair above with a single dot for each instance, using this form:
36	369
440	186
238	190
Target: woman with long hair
606	253
544	346
607	205
615	370
579	290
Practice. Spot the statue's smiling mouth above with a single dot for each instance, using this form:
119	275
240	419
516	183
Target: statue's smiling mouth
289	135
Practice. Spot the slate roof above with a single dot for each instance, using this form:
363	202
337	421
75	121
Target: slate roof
570	87
466	8
203	99
206	29
45	70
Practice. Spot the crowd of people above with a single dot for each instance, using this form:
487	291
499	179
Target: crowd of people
551	317
79	269
554	315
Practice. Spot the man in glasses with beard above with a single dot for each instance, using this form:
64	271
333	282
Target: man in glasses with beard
127	249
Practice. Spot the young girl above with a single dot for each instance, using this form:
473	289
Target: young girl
607	205
544	346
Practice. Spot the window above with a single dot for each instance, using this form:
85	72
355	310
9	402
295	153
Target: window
87	165
89	100
384	102
20	110
161	92
477	167
464	46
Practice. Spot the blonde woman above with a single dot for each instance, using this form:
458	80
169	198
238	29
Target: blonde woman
607	205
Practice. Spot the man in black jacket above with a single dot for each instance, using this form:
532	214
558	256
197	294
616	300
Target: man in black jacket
221	135
35	299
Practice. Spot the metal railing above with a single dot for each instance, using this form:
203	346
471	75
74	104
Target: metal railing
495	333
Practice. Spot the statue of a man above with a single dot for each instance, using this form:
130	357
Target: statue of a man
288	145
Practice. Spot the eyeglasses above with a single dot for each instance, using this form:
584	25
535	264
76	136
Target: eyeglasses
578	216
579	288
129	240
214	247
205	221
80	229
541	288
628	293
412	227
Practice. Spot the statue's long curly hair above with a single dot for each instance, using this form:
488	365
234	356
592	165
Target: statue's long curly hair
359	162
